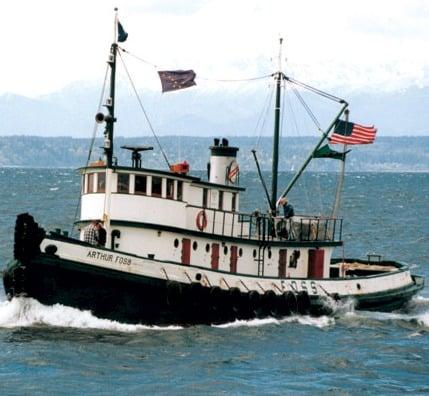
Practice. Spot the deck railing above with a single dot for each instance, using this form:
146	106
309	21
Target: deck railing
263	227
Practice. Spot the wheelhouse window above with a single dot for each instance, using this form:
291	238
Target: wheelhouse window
140	185
156	186
205	197
179	190
101	182
123	183
234	202
91	177
220	200
170	189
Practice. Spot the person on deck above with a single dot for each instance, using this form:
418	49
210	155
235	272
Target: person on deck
94	233
287	208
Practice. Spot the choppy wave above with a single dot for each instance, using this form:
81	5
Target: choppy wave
416	312
322	321
26	312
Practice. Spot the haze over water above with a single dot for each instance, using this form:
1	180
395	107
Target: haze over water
61	350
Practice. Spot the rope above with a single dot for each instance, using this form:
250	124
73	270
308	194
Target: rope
264	113
295	124
200	78
236	80
91	145
315	90
144	111
307	108
138	58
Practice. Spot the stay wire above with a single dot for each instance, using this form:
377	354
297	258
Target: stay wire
263	116
316	122
199	78
236	80
297	131
144	111
307	108
315	90
138	58
91	145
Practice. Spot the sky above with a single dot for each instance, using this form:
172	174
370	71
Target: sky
334	44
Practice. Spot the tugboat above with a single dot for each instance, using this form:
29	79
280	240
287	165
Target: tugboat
178	249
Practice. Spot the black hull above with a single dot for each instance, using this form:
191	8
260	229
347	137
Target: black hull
132	298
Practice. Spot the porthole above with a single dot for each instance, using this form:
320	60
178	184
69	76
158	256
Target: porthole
198	277
269	253
240	252
207	247
176	243
195	245
225	250
358	286
254	253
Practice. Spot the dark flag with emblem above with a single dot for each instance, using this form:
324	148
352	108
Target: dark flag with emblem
327	152
176	79
122	34
350	133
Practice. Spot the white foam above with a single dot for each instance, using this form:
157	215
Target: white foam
248	323
418	312
320	322
27	312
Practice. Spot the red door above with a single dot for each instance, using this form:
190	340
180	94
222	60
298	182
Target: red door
186	251
282	263
233	260
215	256
315	263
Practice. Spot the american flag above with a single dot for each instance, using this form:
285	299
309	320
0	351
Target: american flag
350	133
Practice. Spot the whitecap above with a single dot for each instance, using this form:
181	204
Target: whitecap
320	322
417	312
249	323
27	312
53	188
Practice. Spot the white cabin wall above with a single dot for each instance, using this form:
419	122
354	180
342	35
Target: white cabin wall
141	208
92	206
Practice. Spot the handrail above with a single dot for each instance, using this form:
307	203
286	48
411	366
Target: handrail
266	228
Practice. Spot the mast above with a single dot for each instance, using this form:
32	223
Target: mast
278	77
110	102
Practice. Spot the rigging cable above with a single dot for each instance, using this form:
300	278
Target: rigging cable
263	116
319	127
91	145
144	111
200	78
295	124
315	90
307	108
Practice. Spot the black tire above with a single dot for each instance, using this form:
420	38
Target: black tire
304	303
291	302
174	294
269	303
254	303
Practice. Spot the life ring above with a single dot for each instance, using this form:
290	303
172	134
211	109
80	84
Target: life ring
201	220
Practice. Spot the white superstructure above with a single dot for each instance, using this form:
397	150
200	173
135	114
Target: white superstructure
174	217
